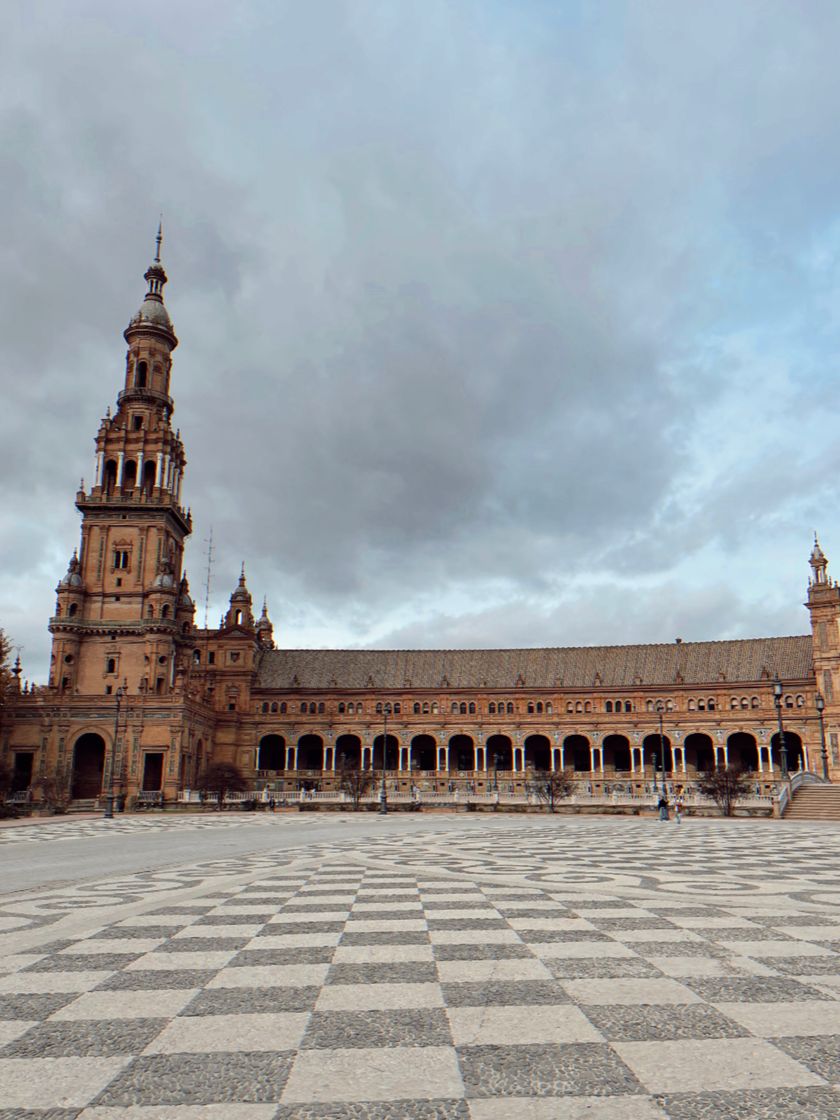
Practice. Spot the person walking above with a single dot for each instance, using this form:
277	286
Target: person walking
679	807
663	808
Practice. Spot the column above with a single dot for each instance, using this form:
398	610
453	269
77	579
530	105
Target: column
761	758
166	480
120	460
139	470
682	760
100	458
159	470
400	751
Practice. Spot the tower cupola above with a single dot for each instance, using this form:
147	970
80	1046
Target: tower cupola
239	612
818	563
265	631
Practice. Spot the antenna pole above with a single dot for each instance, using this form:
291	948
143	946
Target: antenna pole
210	551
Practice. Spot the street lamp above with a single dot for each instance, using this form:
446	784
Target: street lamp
655	766
777	700
109	803
496	772
383	789
820	702
660	708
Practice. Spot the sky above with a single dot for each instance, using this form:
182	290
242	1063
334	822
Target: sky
501	324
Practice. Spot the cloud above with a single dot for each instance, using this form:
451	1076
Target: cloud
477	303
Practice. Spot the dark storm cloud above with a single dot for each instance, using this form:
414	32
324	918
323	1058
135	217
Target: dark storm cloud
476	301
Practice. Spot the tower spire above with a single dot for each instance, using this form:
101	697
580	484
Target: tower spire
158	240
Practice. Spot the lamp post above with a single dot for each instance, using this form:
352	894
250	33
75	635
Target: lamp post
777	700
660	708
383	789
820	702
109	802
655	767
496	772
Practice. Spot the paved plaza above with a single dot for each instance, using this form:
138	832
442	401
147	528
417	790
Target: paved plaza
454	967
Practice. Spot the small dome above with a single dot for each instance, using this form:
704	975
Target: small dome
152	311
73	577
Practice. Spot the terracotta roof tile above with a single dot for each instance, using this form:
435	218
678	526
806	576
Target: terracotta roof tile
742	660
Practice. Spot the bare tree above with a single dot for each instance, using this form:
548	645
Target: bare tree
222	778
725	785
53	794
355	782
552	786
6	675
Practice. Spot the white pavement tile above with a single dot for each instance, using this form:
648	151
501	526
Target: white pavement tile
403	1073
580	950
393	925
378	997
15	962
474	937
724	923
627	991
550	923
182	1112
484	914
376	954
564	1108
40	983
300	917
642	935
747	967
112	945
295	940
126	1005
162	962
616	911
270	976
390	904
531	904
520	1026
456	972
692	966
776	949
319	901
812	933
10	1029
779	1020
712	1064
140	921
55	1082
206	1034
250	930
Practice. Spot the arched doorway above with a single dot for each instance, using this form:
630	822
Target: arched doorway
576	753
699	753
348	752
272	753
655	745
391	753
538	752
499	753
461	753
617	753
310	752
793	746
88	767
423	752
742	751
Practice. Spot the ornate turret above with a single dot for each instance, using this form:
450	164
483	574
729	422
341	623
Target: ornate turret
818	563
265	631
239	613
152	316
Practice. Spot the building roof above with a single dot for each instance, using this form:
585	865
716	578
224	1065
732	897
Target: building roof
582	667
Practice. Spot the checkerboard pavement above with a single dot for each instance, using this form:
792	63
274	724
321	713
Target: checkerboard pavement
376	986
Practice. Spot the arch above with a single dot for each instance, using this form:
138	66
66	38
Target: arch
742	751
461	753
282	708
88	766
491	709
111	665
509	707
109	480
73	609
608	707
538	752
416	708
310	752
164	611
272	753
149	477
628	705
654	744
348	752
793	746
617	752
500	752
129	480
472	707
141	375
699	752
576	752
391	753
423	752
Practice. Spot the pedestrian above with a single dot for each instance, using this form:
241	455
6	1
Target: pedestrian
663	808
678	809
271	804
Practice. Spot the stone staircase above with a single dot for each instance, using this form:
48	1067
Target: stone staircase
814	801
83	805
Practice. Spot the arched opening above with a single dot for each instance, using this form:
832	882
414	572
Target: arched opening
699	753
141	375
88	766
109	480
391	753
272	753
656	744
129	475
73	609
310	752
423	752
617	753
538	752
793	746
348	752
461	753
576	753
499	753
742	751
148	478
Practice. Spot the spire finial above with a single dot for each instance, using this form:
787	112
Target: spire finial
242	574
158	240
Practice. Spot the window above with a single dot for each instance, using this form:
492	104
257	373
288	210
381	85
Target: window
701	705
669	705
341	707
549	707
472	708
321	708
164	613
196	657
509	708
454	707
491	708
425	707
121	557
628	706
416	708
211	658
397	709
570	707
137	423
111	665
710	704
462	708
800	702
733	703
530	708
379	708
587	707
303	709
141	375
608	706
691	705
282	708
109	688
73	608
754	701
435	708
745	702
265	706
648	705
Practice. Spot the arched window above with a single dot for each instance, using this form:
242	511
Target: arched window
341	707
149	478
462	708
701	705
265	706
111	665
628	706
150	611
238	618
164	611
745	702
416	708
321	708
196	657
510	708
587	707
754	701
570	707
397	709
491	708
110	480
549	708
530	707
800	702
379	708
303	709
578	706
648	705
453	707
129	474
608	706
788	701
282	708
141	375
72	609
426	707
669	705
733	703
472	707
691	705
710	704
435	708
